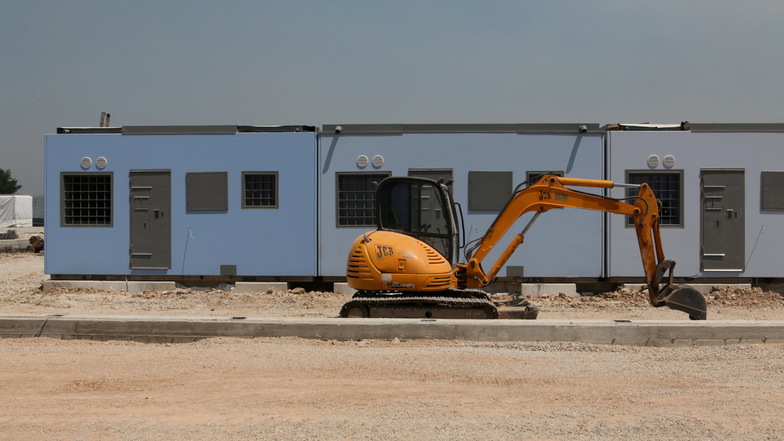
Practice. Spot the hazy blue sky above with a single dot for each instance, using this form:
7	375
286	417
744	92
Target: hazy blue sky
62	63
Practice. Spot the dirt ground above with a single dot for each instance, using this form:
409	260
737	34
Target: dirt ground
226	389
21	277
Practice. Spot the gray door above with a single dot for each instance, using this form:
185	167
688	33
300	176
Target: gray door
150	219
723	219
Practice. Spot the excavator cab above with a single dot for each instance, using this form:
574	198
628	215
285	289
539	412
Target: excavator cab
420	208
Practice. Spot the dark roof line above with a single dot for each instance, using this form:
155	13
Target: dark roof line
187	130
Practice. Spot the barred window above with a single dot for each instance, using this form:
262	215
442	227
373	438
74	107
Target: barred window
260	190
668	188
356	198
86	199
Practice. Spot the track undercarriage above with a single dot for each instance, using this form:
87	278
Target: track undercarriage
451	304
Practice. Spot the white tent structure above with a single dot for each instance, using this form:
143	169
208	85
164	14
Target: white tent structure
16	211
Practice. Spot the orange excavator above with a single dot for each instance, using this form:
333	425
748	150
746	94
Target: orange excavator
408	267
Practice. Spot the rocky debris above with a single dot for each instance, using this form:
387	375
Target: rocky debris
754	297
21	277
9	235
742	297
37	243
21	241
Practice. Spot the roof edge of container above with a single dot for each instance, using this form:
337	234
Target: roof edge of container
400	129
699	127
188	129
737	127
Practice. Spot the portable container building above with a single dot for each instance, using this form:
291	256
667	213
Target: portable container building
484	162
285	202
722	192
164	202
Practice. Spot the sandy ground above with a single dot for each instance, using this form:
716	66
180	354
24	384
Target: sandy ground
226	389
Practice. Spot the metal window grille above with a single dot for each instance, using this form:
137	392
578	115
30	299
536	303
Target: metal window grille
87	199
668	188
261	190
356	199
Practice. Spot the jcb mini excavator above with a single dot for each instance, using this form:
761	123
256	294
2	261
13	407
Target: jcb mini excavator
408	267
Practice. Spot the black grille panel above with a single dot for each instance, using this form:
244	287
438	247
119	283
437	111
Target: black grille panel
358	267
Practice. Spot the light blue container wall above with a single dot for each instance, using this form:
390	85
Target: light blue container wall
753	152
562	243
260	242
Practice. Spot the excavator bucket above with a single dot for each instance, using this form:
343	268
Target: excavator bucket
686	299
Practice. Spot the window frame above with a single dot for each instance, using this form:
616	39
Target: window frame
379	176
63	200
680	192
276	190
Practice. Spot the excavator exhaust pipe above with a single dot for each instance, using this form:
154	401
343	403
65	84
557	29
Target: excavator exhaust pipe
686	299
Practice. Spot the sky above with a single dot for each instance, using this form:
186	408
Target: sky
191	62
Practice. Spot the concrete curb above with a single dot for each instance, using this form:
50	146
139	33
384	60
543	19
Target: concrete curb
254	287
15	245
702	288
185	329
131	286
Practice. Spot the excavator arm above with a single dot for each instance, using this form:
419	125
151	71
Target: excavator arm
554	192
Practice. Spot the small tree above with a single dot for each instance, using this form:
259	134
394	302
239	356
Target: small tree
8	185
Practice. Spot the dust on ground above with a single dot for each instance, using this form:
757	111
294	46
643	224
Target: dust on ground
290	388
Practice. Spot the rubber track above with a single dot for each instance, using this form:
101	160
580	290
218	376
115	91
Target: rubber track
422	303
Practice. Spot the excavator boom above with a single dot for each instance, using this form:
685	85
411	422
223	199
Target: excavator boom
555	192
